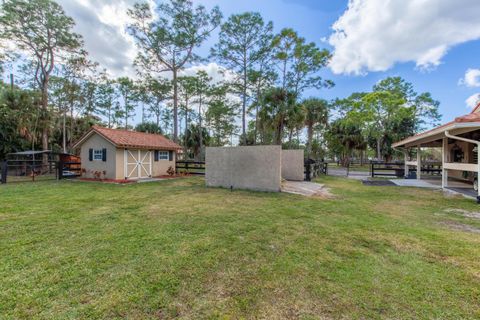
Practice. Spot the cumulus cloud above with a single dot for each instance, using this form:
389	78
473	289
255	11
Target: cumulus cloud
473	100
471	78
102	25
373	35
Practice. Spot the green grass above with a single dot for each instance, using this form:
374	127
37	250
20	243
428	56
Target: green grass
175	249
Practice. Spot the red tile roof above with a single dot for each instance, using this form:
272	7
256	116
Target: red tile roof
471	117
133	139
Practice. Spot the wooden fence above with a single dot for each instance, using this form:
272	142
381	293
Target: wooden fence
397	169
190	167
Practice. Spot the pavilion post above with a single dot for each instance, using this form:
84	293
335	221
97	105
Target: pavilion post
405	166
444	160
419	163
478	172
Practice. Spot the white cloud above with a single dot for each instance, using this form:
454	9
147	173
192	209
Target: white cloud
103	27
373	35
471	78
215	71
473	100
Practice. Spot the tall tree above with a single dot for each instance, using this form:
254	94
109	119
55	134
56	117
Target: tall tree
193	139
393	110
187	88
41	29
276	106
159	91
220	115
316	114
107	101
19	112
167	39
202	92
126	88
344	136
299	62
244	41
75	70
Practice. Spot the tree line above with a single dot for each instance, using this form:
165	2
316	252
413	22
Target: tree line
60	91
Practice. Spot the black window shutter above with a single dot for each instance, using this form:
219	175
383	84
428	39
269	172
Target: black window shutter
90	154
104	155
155	155
170	155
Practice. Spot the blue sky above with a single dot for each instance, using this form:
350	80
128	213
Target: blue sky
313	20
431	43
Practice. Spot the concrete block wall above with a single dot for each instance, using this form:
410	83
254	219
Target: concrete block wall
292	165
245	167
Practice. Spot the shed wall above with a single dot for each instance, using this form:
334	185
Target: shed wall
292	165
160	167
245	167
96	141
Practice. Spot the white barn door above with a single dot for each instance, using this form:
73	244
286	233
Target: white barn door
138	163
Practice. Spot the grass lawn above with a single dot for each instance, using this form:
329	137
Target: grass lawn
174	248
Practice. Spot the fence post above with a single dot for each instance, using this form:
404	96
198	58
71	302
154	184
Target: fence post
372	168
4	171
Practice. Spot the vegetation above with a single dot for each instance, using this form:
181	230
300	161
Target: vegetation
260	100
42	30
92	250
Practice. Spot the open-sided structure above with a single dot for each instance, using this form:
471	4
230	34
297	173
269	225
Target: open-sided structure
459	141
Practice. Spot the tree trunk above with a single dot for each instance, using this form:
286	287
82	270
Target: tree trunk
45	121
379	149
175	105
64	131
109	116
309	140
185	132
244	105
126	111
200	131
279	133
71	115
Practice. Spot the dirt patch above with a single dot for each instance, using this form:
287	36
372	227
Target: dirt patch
465	213
461	227
308	189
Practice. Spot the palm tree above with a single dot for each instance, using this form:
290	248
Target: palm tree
276	106
316	113
192	139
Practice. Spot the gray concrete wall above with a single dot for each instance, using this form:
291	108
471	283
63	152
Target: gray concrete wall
292	165
245	167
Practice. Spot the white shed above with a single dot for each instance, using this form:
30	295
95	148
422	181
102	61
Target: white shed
121	154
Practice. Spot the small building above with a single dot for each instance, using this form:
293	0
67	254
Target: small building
458	140
121	154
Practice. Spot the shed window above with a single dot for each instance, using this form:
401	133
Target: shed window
162	155
98	154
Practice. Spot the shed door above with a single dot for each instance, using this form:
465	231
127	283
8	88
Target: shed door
138	164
